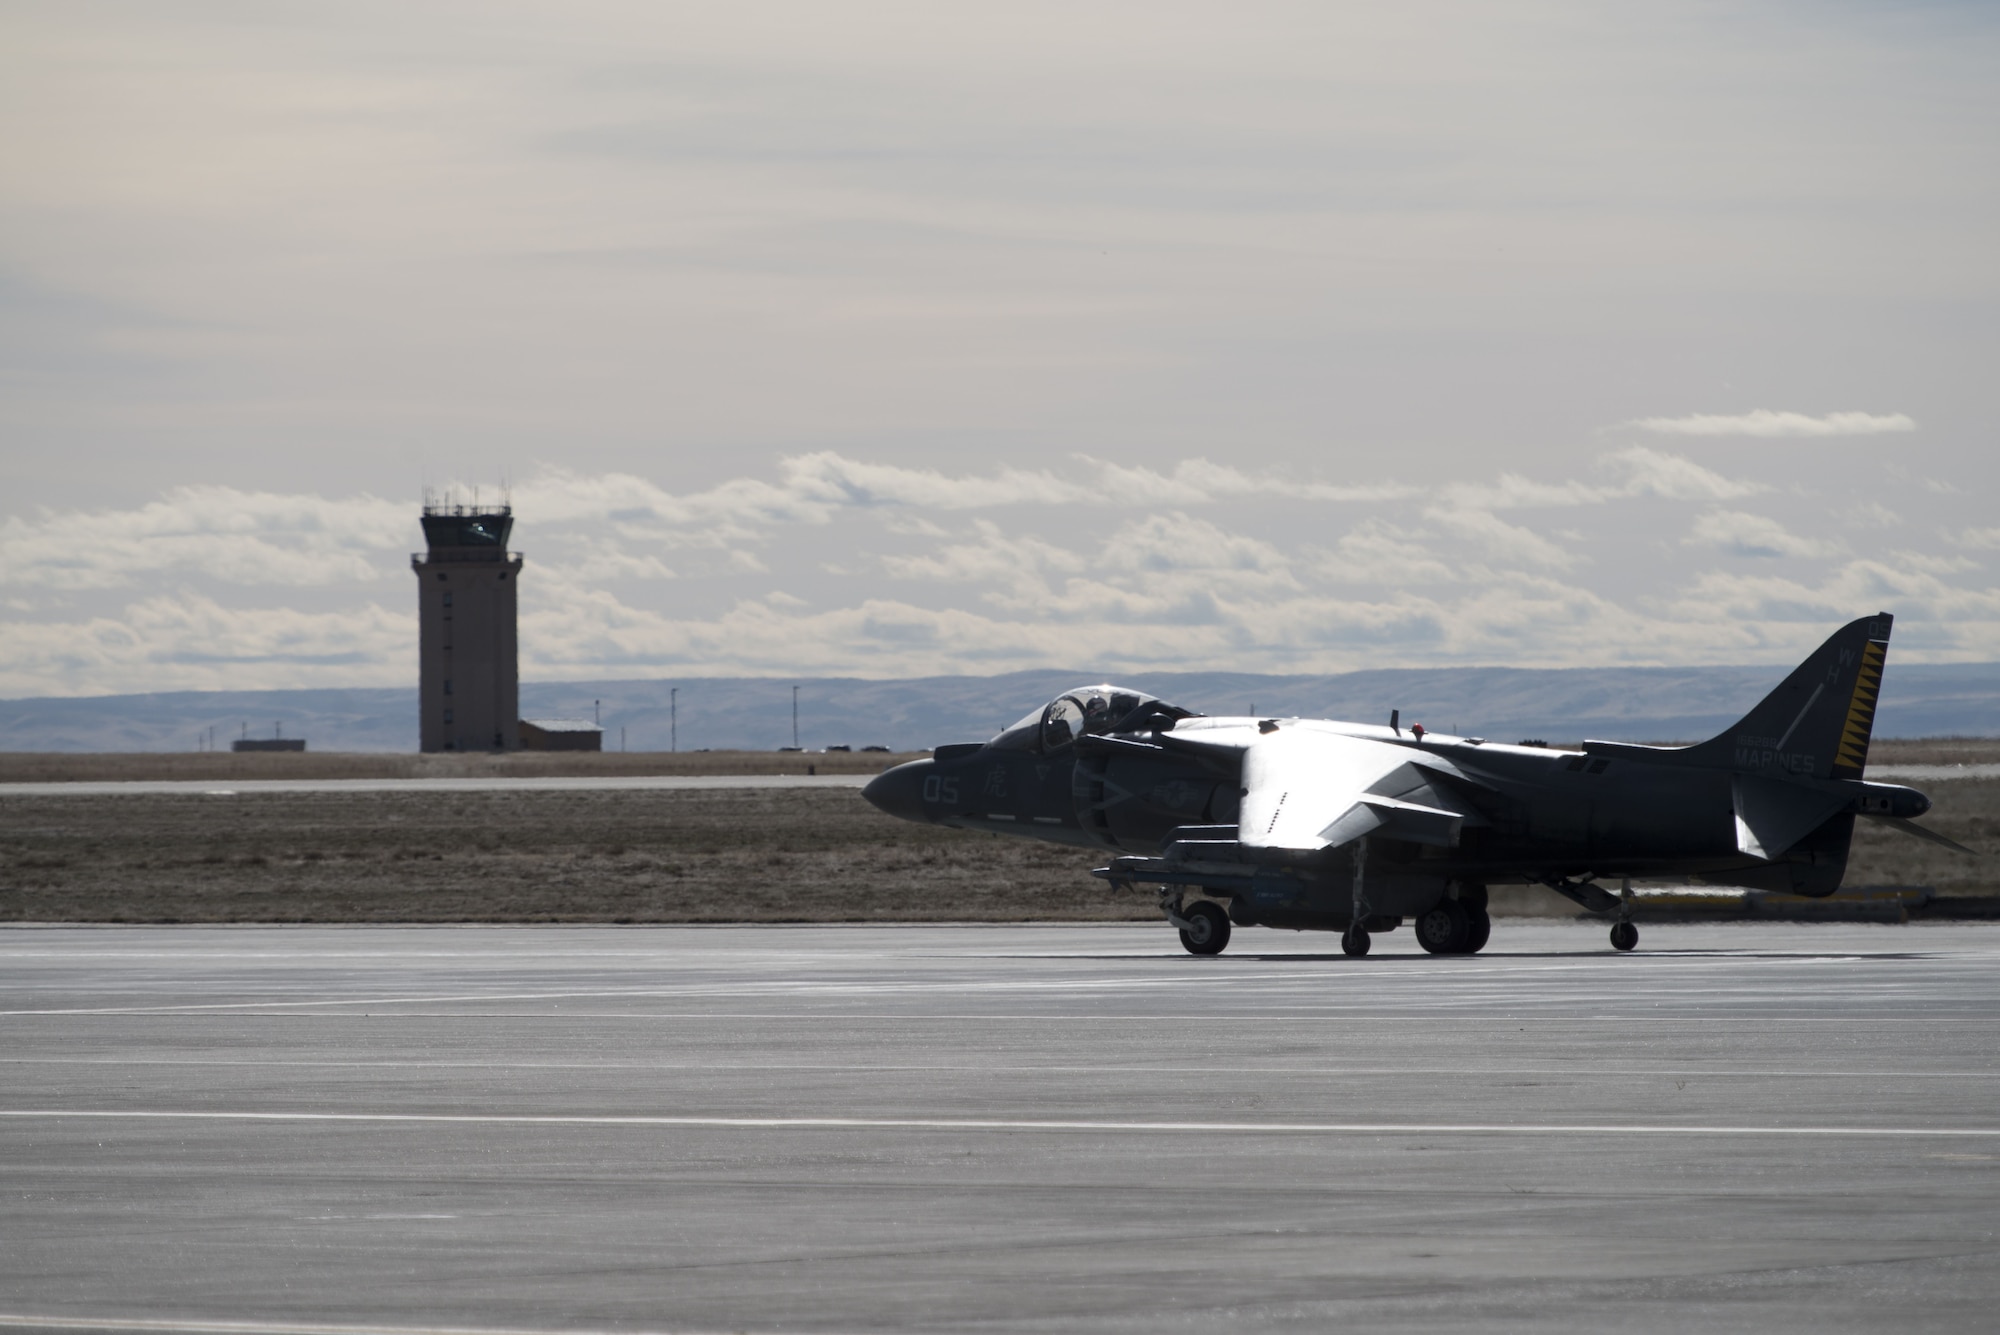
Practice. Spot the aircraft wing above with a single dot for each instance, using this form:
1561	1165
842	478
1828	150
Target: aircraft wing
1309	790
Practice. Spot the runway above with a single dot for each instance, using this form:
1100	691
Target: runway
1739	1127
571	783
625	782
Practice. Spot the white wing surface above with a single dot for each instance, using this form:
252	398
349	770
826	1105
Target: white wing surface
1307	790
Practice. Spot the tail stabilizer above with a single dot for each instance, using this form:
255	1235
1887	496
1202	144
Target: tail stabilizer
1910	827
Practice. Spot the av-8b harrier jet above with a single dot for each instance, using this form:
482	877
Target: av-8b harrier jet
1350	827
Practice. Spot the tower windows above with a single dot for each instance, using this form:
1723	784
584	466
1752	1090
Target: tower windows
447	685
447	716
447	597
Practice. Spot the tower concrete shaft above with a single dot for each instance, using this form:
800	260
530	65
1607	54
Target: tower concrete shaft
469	686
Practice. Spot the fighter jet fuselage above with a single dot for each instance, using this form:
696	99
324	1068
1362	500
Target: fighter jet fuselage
1349	827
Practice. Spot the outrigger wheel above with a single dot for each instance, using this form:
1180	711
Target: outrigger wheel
1354	941
1207	931
1624	936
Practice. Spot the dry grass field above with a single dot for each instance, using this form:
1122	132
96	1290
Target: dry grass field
731	855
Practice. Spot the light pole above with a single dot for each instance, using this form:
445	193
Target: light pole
674	718
795	718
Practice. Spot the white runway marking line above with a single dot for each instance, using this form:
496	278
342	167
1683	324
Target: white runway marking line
1495	972
1263	1012
793	988
197	1326
1328	1070
1016	1124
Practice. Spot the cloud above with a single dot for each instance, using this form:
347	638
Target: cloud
608	526
1742	534
835	565
1177	544
1764	422
1870	514
1648	474
992	556
1747	608
1376	551
830	480
1498	540
1673	478
184	641
232	536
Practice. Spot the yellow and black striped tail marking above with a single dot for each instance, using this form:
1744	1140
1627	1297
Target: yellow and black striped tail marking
1853	750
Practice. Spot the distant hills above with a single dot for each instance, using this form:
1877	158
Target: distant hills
1506	704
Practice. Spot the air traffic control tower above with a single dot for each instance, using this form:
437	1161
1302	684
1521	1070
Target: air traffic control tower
469	686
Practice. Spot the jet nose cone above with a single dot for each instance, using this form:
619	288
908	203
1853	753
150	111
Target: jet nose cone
900	791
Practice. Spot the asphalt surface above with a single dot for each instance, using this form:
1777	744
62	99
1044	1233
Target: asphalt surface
230	788
998	1128
226	788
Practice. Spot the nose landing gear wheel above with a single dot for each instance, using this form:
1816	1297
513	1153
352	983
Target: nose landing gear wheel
1207	931
1354	941
1624	936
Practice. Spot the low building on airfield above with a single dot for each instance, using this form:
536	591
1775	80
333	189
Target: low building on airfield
560	734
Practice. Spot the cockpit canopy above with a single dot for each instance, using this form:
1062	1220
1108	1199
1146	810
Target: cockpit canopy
1092	711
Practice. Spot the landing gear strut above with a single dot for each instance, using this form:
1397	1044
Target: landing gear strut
1624	935
1354	941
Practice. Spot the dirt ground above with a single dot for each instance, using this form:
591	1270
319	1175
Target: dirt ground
731	855
68	767
1935	751
73	767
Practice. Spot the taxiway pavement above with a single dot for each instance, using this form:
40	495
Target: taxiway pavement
1740	1127
568	783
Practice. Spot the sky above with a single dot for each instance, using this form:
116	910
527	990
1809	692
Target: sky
901	339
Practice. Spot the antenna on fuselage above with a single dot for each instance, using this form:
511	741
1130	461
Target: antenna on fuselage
1396	721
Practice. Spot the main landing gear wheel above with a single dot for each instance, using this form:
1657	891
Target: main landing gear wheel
1354	941
1624	936
1444	928
1479	928
1207	931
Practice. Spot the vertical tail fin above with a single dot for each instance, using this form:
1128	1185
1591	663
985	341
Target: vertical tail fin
1817	723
